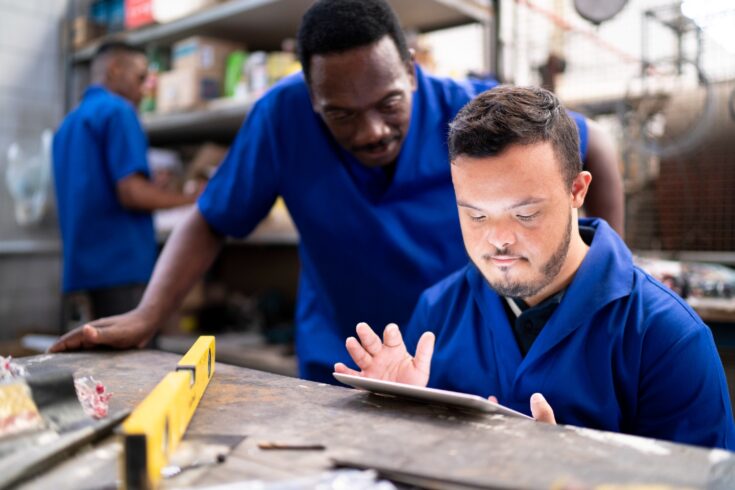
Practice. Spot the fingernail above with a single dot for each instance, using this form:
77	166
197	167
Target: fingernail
538	398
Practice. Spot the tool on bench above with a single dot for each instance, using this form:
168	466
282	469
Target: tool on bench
48	423
158	423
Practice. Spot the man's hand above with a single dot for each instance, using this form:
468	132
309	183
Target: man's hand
120	332
540	408
388	359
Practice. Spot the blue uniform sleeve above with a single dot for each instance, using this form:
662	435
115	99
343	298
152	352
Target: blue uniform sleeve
682	392
125	145
245	186
581	123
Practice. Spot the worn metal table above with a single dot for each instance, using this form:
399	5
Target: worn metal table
429	445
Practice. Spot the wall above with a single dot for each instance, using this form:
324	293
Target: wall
31	99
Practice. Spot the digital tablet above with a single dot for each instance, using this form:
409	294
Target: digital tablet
428	395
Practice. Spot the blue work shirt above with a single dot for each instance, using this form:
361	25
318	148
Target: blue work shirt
98	144
621	352
369	244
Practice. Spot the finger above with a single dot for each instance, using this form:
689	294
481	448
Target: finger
541	410
358	354
492	399
424	352
69	341
392	336
110	334
342	369
369	339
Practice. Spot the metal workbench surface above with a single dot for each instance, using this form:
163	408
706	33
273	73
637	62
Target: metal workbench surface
431	445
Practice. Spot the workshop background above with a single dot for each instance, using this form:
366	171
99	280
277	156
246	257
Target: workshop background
658	75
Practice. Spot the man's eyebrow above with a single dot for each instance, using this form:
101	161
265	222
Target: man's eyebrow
525	202
467	205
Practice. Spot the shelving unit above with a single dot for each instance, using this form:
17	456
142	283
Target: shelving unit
263	24
215	124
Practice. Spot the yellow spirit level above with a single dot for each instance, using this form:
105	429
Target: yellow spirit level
154	429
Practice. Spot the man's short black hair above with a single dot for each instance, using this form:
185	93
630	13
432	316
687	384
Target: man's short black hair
507	115
333	26
116	46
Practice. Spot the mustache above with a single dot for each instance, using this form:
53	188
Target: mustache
503	252
378	144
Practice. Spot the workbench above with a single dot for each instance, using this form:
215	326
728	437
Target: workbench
428	445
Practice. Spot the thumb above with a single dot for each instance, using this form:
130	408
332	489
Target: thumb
541	410
424	352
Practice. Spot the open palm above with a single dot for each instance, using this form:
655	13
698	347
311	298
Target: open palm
388	359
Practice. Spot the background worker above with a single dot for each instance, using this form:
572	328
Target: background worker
103	188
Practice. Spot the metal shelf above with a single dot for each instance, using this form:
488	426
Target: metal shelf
263	24
215	123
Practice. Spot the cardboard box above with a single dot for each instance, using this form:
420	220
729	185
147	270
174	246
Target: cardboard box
168	10
185	89
85	30
138	13
202	53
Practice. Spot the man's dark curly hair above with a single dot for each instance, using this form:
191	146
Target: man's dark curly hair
507	115
333	26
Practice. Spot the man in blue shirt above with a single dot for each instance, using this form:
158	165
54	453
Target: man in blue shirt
357	148
103	190
584	331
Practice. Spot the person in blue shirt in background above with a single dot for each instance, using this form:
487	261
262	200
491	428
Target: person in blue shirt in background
103	188
356	146
550	307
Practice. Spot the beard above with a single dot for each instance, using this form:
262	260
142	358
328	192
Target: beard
548	271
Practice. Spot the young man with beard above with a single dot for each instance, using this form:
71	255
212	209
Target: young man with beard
356	146
550	307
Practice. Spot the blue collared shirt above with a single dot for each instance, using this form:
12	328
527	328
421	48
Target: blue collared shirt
98	144
621	352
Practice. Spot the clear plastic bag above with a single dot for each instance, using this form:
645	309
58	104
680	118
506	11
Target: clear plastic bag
27	176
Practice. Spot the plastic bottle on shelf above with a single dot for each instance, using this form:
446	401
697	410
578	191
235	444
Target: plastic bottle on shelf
235	82
256	70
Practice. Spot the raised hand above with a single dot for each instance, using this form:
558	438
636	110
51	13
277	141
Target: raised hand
388	359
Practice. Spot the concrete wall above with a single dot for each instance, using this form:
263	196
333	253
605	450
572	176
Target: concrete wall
31	100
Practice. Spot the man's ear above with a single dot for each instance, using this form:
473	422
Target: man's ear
580	186
411	68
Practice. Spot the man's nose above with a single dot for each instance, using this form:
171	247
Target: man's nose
500	236
372	129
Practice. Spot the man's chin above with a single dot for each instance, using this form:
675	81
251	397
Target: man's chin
377	162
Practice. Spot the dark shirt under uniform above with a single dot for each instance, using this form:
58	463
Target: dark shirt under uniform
527	326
